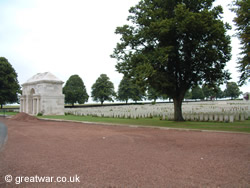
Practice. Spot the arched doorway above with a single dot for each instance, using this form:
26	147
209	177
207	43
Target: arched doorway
34	102
32	91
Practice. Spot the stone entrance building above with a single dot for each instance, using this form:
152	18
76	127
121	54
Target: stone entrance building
42	93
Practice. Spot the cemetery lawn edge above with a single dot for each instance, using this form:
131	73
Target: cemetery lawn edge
237	126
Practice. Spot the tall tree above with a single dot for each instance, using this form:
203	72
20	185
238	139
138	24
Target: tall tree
232	90
103	89
208	92
9	86
211	92
124	90
173	46
197	93
242	20
129	90
138	93
219	93
75	91
188	95
152	94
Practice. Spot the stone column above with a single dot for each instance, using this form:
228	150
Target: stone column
21	105
34	106
24	104
27	104
38	106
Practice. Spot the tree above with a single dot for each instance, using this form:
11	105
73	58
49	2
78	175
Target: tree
138	93
75	91
124	90
173	46
103	89
197	93
154	95
219	93
208	92
9	86
232	90
188	95
212	92
242	19
129	90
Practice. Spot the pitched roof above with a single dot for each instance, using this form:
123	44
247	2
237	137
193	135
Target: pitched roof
43	77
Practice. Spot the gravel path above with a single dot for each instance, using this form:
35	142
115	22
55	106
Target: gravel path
113	156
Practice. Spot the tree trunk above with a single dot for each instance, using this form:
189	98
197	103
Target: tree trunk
178	109
102	102
1	106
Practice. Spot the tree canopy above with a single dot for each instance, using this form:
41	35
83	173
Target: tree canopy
208	92
152	94
197	93
75	91
219	93
103	89
232	90
212	92
129	90
173	45
242	19
9	86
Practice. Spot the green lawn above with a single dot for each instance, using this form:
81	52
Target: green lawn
8	113
11	106
9	110
236	126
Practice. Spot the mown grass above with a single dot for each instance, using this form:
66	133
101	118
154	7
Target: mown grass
11	106
238	126
7	113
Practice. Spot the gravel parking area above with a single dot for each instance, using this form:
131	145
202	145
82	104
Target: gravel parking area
115	156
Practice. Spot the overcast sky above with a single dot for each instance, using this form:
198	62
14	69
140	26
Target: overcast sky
67	37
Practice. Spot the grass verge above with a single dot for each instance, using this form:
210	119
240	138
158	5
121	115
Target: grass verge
6	113
238	126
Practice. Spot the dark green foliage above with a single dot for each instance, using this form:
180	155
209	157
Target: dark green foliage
103	89
138	93
197	93
232	90
75	91
219	93
188	95
212	92
208	92
242	20
125	90
173	46
154	95
129	90
9	86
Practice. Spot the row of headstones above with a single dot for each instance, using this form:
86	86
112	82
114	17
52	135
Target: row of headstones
143	113
165	111
117	114
222	108
219	117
